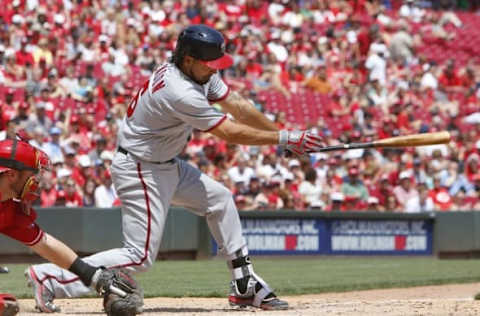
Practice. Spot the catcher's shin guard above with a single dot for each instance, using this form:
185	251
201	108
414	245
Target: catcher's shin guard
247	288
8	305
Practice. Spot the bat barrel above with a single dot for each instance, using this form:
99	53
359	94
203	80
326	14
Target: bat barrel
424	139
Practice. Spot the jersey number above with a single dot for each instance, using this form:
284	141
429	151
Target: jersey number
133	104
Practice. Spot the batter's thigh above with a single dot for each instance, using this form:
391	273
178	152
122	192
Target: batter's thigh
198	192
145	190
204	196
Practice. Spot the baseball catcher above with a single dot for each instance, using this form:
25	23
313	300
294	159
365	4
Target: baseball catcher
22	167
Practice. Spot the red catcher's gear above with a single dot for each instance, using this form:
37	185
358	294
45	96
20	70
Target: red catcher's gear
8	305
20	155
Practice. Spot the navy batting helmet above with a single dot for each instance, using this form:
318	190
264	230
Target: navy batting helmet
205	44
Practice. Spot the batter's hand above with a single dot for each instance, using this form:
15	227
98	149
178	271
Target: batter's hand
300	142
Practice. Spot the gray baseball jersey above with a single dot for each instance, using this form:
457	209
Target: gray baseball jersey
155	129
160	118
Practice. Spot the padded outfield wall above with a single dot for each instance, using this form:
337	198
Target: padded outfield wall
89	230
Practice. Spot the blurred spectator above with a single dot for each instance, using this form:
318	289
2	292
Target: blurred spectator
411	10
88	199
38	137
439	194
106	156
48	195
69	82
111	68
24	57
42	54
429	79
80	175
310	191
420	203
353	186
318	81
374	205
23	114
273	77
376	62
462	202
392	204
100	146
72	195
241	172
336	204
60	199
63	174
39	119
472	166
105	194
402	44
405	190
269	167
254	187
52	148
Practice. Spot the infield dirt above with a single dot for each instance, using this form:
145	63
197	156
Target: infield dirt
454	299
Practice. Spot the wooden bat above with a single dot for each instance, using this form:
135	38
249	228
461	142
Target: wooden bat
398	141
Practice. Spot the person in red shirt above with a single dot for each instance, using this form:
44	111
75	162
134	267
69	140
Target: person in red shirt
383	190
440	196
256	9
449	79
253	68
72	196
22	56
21	168
366	37
468	78
49	191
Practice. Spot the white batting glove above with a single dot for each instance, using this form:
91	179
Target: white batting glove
300	142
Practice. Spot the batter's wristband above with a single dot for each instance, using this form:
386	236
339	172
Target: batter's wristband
283	137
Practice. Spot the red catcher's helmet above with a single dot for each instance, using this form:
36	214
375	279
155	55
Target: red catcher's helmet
20	155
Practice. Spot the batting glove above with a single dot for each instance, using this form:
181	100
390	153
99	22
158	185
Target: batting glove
300	142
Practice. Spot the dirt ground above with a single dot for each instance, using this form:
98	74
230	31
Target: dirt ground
441	300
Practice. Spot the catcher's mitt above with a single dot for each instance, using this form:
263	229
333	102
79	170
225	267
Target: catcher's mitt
8	305
122	296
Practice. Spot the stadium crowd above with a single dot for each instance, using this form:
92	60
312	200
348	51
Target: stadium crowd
357	69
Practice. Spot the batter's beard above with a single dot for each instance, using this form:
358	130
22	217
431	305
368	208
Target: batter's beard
196	80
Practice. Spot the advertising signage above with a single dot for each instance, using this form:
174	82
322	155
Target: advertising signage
407	237
327	236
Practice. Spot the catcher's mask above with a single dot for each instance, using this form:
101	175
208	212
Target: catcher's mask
20	155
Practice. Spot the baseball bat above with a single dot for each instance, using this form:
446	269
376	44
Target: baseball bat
398	141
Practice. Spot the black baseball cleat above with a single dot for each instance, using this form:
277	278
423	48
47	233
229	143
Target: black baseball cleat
271	302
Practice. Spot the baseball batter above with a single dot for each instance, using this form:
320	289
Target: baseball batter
149	178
